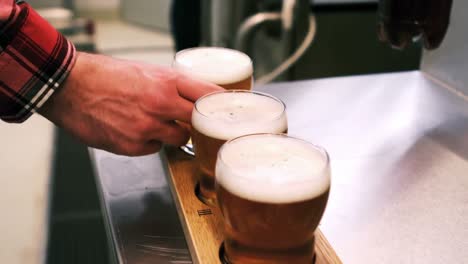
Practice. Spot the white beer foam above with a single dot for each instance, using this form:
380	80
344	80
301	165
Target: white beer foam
273	169
227	115
214	64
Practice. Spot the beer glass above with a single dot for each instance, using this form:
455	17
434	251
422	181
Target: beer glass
272	190
220	116
228	68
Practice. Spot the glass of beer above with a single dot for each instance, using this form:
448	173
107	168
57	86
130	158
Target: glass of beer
221	116
228	68
272	190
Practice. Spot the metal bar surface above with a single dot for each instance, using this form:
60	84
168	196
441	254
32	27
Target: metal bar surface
399	153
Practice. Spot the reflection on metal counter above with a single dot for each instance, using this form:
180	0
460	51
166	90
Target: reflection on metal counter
141	219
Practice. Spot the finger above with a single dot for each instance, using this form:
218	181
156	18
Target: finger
173	134
180	109
192	89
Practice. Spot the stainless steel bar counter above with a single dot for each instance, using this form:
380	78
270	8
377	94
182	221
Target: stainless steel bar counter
399	153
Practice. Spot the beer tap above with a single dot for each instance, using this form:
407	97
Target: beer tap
292	12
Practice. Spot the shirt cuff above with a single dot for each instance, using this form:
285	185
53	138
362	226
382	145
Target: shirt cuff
35	60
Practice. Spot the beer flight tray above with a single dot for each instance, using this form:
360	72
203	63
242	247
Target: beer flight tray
202	224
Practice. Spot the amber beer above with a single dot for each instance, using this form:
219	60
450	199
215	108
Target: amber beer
272	191
221	116
228	68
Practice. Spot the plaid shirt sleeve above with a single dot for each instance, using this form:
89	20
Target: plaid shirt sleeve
34	60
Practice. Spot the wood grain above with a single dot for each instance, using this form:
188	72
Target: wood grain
203	226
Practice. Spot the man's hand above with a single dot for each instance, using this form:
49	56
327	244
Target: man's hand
125	107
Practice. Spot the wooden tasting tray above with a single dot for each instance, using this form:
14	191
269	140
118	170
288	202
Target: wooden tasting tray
202	224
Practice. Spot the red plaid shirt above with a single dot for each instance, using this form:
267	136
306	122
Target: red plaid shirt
34	60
